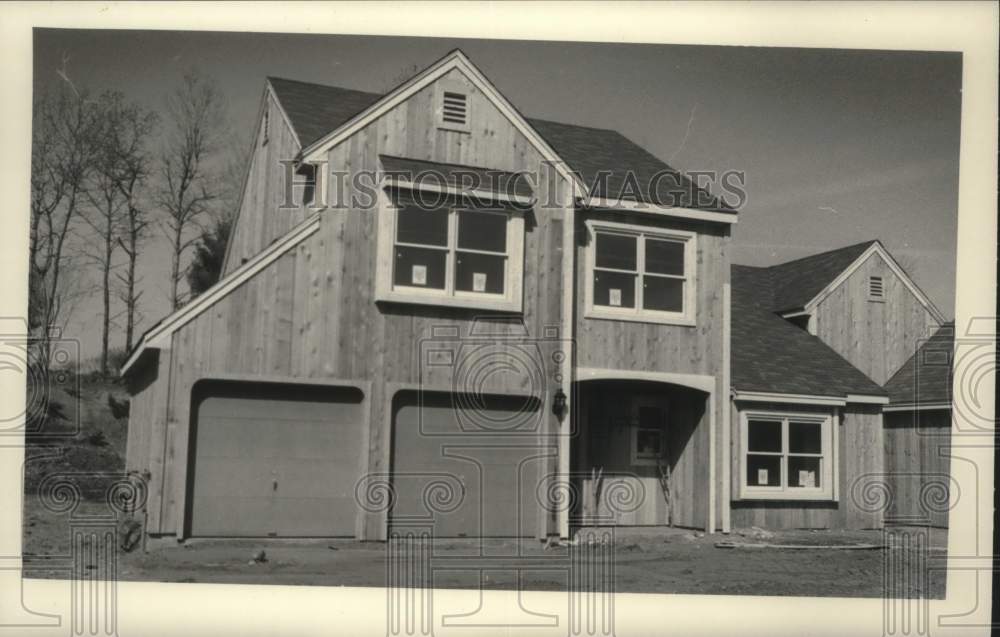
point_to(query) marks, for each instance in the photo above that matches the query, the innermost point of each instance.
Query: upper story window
(451, 255)
(640, 274)
(876, 288)
(787, 456)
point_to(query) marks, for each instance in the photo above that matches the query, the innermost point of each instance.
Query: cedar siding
(877, 337)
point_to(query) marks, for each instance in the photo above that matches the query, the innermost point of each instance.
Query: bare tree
(114, 214)
(104, 215)
(63, 143)
(195, 118)
(132, 173)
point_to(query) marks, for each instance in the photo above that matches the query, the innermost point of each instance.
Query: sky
(837, 146)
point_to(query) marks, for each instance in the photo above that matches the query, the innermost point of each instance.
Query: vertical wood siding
(261, 218)
(694, 349)
(917, 463)
(860, 468)
(876, 337)
(312, 313)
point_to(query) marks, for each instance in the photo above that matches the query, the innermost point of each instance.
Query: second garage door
(472, 466)
(275, 460)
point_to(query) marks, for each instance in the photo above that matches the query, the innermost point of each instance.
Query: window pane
(616, 251)
(426, 227)
(479, 272)
(648, 443)
(614, 289)
(664, 257)
(482, 231)
(803, 471)
(763, 471)
(662, 294)
(419, 267)
(805, 437)
(764, 435)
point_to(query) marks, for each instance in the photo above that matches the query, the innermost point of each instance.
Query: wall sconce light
(559, 403)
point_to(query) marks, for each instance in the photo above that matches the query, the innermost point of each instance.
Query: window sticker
(419, 275)
(761, 476)
(615, 297)
(807, 478)
(478, 281)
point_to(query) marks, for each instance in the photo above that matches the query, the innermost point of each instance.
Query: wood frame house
(529, 352)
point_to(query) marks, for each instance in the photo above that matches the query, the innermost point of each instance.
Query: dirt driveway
(668, 561)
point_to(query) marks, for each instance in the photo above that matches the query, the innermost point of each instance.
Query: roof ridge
(534, 119)
(557, 123)
(830, 251)
(341, 88)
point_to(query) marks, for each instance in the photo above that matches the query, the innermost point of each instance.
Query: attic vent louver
(876, 289)
(454, 109)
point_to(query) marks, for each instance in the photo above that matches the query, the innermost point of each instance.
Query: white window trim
(828, 463)
(634, 429)
(385, 290)
(690, 239)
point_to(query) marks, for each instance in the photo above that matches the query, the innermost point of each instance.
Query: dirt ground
(660, 561)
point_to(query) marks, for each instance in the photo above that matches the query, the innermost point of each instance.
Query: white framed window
(787, 456)
(450, 255)
(637, 273)
(648, 433)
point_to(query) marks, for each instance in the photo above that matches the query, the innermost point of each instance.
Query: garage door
(468, 468)
(275, 460)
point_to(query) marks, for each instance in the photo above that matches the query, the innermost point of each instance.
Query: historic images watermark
(45, 359)
(501, 389)
(321, 187)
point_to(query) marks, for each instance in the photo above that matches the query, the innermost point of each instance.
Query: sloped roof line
(454, 59)
(770, 354)
(156, 337)
(553, 139)
(926, 377)
(802, 283)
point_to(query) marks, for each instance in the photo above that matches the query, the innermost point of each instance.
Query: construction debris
(755, 532)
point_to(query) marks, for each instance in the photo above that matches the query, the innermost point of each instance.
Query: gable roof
(315, 109)
(317, 112)
(591, 151)
(800, 285)
(770, 354)
(796, 283)
(926, 378)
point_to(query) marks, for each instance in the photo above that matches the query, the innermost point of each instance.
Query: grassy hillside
(92, 428)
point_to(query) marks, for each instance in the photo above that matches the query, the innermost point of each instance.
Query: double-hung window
(787, 456)
(642, 274)
(451, 255)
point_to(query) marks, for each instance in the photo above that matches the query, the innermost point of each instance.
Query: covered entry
(468, 466)
(274, 460)
(642, 455)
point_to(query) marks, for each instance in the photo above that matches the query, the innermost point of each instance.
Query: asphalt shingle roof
(797, 282)
(318, 109)
(926, 377)
(770, 354)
